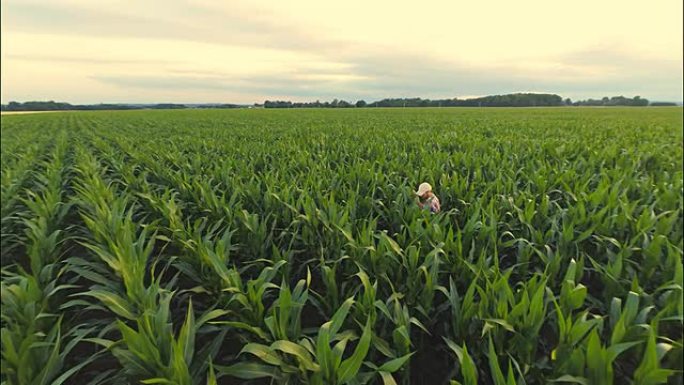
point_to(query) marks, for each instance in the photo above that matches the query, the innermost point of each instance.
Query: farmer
(427, 199)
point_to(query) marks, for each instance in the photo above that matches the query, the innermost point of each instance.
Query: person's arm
(435, 205)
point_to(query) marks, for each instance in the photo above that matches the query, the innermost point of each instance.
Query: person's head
(424, 190)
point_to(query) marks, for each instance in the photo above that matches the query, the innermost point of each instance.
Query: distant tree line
(224, 105)
(317, 104)
(614, 101)
(61, 106)
(508, 100)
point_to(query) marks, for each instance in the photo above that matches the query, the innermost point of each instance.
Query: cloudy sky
(85, 51)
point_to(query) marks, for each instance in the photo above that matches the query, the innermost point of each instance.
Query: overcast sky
(91, 51)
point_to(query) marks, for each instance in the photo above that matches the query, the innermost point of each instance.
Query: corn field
(286, 247)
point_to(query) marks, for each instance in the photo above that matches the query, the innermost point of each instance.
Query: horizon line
(352, 101)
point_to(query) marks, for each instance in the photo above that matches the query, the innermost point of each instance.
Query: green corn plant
(462, 309)
(246, 299)
(595, 364)
(43, 237)
(44, 216)
(649, 370)
(400, 323)
(572, 294)
(282, 320)
(496, 301)
(495, 371)
(116, 245)
(256, 235)
(466, 364)
(31, 356)
(207, 255)
(366, 304)
(35, 349)
(330, 300)
(527, 317)
(151, 353)
(572, 331)
(127, 256)
(599, 360)
(399, 316)
(284, 317)
(628, 322)
(41, 209)
(421, 277)
(314, 361)
(16, 176)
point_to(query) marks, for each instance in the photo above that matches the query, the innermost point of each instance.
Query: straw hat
(423, 188)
